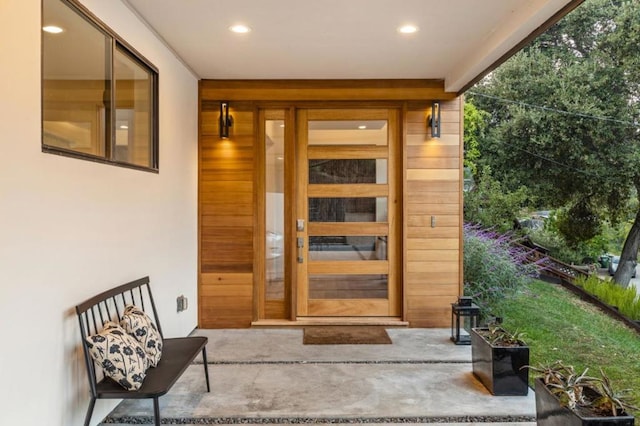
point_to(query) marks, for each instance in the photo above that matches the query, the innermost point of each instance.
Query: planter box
(500, 368)
(549, 412)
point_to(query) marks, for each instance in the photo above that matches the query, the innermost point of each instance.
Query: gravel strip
(394, 362)
(138, 420)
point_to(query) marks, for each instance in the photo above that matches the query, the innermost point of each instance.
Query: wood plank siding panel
(433, 254)
(226, 219)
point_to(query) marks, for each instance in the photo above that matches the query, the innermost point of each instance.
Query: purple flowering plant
(495, 266)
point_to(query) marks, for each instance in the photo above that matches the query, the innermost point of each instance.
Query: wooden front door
(346, 209)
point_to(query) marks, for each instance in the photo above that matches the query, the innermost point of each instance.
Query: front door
(346, 210)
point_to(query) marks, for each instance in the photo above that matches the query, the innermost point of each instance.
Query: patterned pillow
(139, 325)
(120, 355)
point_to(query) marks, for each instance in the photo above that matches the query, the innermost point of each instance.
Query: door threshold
(310, 321)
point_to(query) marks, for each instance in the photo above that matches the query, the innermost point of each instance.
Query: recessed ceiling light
(52, 29)
(408, 29)
(240, 29)
(282, 125)
(124, 127)
(280, 158)
(362, 127)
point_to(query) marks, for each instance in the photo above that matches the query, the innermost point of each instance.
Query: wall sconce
(226, 121)
(434, 119)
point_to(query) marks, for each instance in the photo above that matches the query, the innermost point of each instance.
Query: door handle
(300, 245)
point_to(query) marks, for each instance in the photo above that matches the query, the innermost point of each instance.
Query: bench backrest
(109, 306)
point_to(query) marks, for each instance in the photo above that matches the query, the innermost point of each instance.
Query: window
(99, 96)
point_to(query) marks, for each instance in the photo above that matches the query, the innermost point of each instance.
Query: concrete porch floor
(267, 376)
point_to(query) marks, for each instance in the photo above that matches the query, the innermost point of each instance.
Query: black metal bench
(177, 353)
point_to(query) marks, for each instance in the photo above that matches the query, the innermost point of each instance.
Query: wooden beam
(323, 90)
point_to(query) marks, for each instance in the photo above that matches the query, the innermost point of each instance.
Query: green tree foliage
(562, 120)
(489, 205)
(580, 222)
(475, 125)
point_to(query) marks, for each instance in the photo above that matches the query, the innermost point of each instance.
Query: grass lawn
(560, 326)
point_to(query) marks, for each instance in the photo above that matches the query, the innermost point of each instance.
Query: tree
(562, 120)
(475, 127)
(489, 205)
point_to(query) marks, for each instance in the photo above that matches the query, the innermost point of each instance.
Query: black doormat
(346, 335)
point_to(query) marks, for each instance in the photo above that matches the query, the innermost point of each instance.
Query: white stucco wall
(71, 228)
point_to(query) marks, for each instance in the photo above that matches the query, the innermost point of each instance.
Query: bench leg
(156, 411)
(206, 367)
(87, 418)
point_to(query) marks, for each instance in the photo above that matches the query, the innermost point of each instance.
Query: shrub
(558, 247)
(609, 240)
(493, 267)
(490, 204)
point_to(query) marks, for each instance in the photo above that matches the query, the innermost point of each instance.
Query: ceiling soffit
(458, 40)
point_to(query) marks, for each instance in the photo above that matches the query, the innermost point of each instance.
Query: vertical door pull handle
(300, 244)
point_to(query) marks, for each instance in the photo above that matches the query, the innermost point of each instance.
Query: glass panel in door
(274, 182)
(274, 291)
(347, 262)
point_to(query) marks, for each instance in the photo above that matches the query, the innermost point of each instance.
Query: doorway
(331, 234)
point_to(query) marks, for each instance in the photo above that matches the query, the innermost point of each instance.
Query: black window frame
(116, 43)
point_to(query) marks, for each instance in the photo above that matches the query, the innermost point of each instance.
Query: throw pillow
(120, 355)
(138, 324)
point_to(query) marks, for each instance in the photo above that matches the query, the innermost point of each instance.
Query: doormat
(345, 335)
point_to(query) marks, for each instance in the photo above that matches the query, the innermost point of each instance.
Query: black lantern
(464, 316)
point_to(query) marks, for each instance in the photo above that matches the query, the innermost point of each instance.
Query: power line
(533, 154)
(566, 166)
(559, 111)
(550, 160)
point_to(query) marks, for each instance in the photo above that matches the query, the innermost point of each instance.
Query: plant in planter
(564, 397)
(500, 360)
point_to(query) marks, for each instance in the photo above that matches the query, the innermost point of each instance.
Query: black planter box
(549, 412)
(500, 368)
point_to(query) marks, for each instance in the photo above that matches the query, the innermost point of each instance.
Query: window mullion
(111, 110)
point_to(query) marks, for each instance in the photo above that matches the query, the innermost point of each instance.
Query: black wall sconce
(226, 121)
(434, 119)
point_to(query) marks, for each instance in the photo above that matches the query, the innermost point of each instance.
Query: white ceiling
(344, 39)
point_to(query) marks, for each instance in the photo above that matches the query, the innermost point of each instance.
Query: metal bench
(177, 353)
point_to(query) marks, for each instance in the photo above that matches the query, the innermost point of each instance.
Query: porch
(74, 228)
(267, 376)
